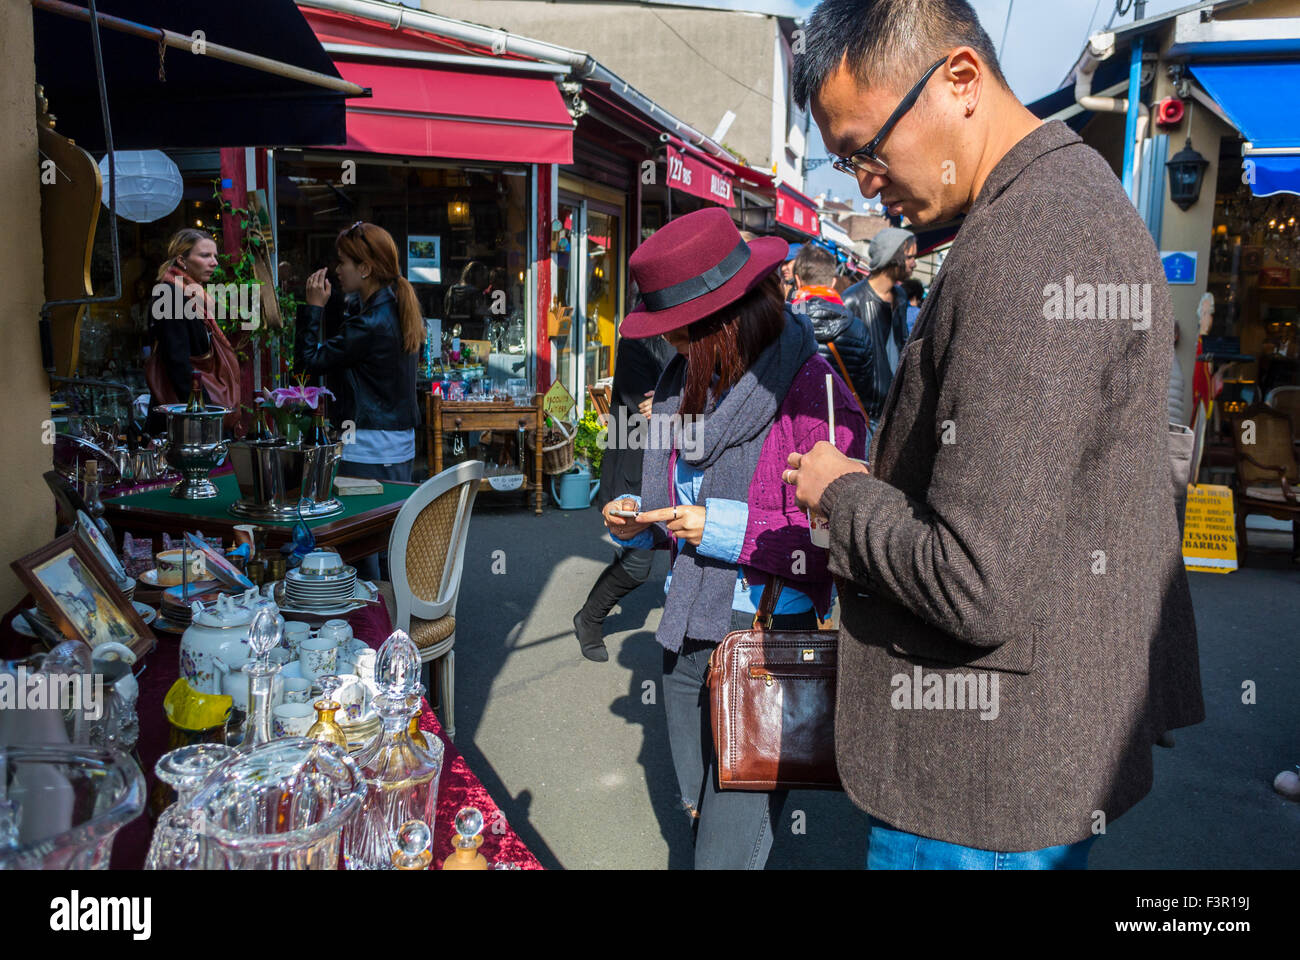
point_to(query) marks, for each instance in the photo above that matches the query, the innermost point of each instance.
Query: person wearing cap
(833, 324)
(882, 304)
(746, 388)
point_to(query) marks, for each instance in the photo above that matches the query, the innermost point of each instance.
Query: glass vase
(176, 843)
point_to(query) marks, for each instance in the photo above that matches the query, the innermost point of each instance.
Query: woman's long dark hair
(727, 342)
(373, 245)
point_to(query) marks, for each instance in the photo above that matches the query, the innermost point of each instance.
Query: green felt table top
(228, 492)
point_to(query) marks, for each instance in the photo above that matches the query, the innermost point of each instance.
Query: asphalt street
(576, 753)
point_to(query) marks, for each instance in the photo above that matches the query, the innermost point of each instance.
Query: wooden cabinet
(447, 416)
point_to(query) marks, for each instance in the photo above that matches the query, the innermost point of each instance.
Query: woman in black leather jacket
(374, 353)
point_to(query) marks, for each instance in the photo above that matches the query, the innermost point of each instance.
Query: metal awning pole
(217, 51)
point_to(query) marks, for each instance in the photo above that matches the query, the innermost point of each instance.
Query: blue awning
(1259, 98)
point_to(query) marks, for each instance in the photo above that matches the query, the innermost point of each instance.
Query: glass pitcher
(280, 806)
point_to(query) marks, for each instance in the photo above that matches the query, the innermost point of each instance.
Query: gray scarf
(726, 442)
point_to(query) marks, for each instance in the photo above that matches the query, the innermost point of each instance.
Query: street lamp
(1186, 171)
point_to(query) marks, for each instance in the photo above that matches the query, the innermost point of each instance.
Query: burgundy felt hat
(693, 266)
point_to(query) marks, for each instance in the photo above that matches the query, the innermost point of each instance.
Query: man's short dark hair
(914, 289)
(815, 265)
(886, 40)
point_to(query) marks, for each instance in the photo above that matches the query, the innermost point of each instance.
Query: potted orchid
(293, 408)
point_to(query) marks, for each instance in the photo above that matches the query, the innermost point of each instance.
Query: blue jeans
(890, 849)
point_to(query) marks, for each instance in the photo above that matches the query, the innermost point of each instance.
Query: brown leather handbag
(772, 696)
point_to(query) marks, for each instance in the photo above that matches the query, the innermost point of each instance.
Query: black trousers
(736, 827)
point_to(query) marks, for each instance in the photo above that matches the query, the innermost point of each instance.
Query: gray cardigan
(1019, 526)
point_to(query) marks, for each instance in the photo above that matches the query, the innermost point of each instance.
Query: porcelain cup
(292, 720)
(319, 657)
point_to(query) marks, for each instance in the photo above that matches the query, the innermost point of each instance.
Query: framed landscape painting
(72, 584)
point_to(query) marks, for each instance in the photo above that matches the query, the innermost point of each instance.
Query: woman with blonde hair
(187, 340)
(372, 356)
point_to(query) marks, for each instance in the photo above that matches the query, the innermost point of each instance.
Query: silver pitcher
(194, 447)
(285, 481)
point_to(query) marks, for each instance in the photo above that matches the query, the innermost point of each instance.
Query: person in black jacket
(638, 365)
(832, 322)
(374, 352)
(882, 304)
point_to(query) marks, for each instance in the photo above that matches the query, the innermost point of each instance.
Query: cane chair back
(426, 549)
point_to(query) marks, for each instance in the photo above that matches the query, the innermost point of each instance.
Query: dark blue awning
(200, 101)
(1260, 99)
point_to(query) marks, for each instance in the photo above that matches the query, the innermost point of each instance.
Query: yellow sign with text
(1210, 534)
(558, 401)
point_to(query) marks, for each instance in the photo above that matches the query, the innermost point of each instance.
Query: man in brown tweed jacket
(1016, 628)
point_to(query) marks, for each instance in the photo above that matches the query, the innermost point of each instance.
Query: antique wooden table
(471, 415)
(360, 530)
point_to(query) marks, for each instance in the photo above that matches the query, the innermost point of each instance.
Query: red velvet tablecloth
(457, 787)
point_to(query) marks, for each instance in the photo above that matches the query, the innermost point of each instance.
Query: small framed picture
(71, 583)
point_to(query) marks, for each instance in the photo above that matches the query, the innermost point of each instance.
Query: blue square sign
(1180, 265)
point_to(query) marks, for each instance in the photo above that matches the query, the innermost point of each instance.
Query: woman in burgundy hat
(746, 389)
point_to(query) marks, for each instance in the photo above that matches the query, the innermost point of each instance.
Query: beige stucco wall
(1191, 229)
(27, 506)
(732, 69)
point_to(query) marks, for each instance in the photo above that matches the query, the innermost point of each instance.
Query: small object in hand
(1287, 783)
(626, 514)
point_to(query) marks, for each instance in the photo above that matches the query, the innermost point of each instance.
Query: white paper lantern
(149, 185)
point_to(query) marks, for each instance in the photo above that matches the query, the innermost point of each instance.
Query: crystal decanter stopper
(469, 837)
(401, 776)
(414, 838)
(176, 843)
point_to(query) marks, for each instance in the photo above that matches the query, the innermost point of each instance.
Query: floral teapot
(208, 644)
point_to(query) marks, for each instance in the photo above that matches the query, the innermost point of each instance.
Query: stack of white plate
(320, 591)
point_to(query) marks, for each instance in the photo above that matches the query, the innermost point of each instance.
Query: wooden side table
(471, 415)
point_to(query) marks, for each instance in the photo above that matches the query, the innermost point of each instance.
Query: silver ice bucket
(285, 481)
(194, 447)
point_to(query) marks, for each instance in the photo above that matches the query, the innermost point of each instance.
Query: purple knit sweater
(778, 527)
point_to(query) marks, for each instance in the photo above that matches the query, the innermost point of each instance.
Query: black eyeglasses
(865, 160)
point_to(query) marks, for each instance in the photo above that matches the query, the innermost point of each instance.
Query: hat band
(696, 287)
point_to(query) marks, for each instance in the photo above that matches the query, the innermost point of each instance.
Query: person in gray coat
(1017, 629)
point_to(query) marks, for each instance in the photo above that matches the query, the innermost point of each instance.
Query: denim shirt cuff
(724, 529)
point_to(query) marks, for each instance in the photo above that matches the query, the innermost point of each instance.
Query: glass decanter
(263, 637)
(401, 777)
(326, 728)
(176, 844)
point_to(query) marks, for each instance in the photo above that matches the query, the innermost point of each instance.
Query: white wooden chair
(426, 553)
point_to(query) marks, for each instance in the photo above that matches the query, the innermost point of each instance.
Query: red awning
(427, 112)
(797, 212)
(693, 173)
(745, 174)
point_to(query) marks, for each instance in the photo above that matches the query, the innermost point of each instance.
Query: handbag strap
(767, 603)
(847, 380)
